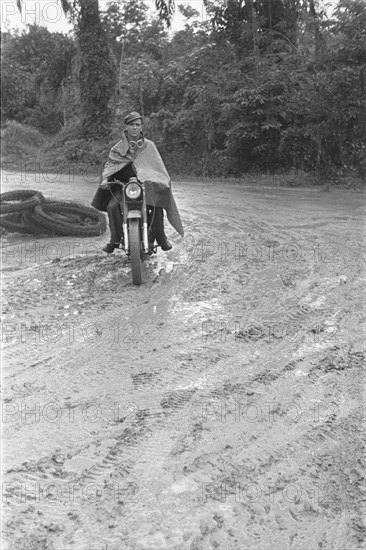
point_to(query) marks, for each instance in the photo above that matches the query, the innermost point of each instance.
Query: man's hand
(104, 185)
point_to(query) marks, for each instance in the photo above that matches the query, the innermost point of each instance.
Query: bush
(21, 142)
(68, 148)
(69, 132)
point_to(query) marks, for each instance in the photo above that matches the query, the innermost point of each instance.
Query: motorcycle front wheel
(135, 251)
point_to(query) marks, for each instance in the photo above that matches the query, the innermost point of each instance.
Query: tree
(346, 63)
(35, 66)
(131, 31)
(97, 70)
(255, 26)
(187, 11)
(165, 10)
(266, 84)
(97, 67)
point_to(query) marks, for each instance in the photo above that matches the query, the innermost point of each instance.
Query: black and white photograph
(183, 314)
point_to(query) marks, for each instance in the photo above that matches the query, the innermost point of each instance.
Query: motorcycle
(137, 221)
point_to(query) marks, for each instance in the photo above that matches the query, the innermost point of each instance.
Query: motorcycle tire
(34, 226)
(71, 219)
(135, 251)
(13, 223)
(18, 201)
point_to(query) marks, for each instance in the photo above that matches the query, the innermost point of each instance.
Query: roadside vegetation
(268, 88)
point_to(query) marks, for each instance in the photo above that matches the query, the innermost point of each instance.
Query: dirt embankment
(217, 406)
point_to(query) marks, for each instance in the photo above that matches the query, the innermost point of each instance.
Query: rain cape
(150, 170)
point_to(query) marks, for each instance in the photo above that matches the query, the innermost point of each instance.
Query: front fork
(145, 238)
(124, 209)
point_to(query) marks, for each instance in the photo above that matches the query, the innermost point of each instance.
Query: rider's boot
(115, 224)
(159, 230)
(165, 245)
(109, 248)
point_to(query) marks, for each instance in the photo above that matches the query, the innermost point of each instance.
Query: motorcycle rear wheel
(135, 251)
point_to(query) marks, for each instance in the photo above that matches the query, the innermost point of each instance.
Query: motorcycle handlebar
(109, 183)
(112, 182)
(115, 182)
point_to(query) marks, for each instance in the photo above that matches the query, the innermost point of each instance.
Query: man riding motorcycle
(136, 156)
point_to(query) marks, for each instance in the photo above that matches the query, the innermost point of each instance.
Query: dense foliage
(35, 67)
(96, 68)
(261, 84)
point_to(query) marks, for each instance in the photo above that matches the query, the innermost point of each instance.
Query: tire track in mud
(152, 451)
(152, 454)
(300, 313)
(165, 447)
(289, 445)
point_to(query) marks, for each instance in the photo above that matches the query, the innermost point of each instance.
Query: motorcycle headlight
(133, 190)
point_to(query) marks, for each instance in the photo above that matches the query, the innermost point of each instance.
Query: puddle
(301, 373)
(169, 267)
(174, 306)
(183, 486)
(189, 309)
(161, 264)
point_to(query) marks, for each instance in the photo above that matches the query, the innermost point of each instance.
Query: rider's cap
(132, 116)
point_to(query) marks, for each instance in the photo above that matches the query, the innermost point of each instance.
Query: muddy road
(218, 406)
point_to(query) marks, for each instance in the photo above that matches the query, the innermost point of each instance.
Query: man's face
(133, 129)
